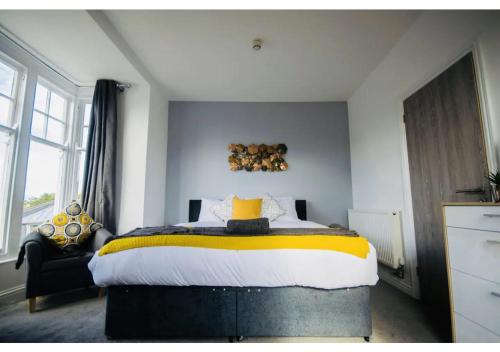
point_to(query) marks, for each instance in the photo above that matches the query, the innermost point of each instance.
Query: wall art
(257, 157)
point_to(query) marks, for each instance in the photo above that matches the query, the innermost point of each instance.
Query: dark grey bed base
(196, 311)
(187, 312)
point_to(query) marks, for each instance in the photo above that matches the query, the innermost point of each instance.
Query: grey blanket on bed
(221, 231)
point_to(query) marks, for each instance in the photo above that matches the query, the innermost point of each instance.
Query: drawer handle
(496, 294)
(492, 215)
(493, 241)
(470, 191)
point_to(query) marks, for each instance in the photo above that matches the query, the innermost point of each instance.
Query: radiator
(383, 230)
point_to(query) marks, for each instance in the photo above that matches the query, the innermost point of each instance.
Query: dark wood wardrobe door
(447, 155)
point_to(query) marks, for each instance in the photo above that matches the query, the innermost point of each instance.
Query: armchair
(49, 270)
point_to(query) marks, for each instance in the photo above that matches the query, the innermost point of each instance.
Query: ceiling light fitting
(257, 44)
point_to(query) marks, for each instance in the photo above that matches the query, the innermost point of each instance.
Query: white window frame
(46, 114)
(13, 131)
(65, 172)
(77, 149)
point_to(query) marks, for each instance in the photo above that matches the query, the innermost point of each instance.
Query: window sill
(7, 260)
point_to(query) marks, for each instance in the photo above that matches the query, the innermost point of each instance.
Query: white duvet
(186, 266)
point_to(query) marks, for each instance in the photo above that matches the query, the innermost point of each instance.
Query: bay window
(43, 138)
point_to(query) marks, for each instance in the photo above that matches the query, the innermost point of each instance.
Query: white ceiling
(207, 55)
(72, 41)
(306, 56)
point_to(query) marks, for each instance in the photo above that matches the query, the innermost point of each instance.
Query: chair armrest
(34, 259)
(34, 255)
(98, 239)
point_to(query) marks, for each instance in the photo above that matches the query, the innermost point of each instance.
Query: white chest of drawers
(472, 238)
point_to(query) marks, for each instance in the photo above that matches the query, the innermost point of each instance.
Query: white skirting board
(15, 293)
(11, 290)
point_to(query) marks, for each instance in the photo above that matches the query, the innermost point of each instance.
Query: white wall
(379, 168)
(141, 159)
(12, 280)
(156, 163)
(132, 139)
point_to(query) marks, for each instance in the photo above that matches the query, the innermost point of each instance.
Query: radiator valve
(400, 272)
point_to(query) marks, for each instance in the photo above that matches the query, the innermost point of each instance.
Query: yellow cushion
(70, 228)
(245, 209)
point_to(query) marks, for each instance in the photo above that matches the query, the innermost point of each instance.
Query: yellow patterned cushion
(70, 228)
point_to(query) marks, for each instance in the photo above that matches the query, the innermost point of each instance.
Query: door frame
(491, 156)
(484, 108)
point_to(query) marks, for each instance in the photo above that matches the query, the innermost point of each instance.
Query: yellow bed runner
(357, 246)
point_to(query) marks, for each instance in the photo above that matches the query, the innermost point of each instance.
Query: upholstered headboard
(195, 206)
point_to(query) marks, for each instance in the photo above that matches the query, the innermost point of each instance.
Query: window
(9, 83)
(48, 161)
(49, 115)
(42, 144)
(81, 149)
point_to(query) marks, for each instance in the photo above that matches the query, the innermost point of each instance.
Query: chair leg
(32, 304)
(102, 292)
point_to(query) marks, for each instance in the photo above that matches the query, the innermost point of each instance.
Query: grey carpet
(78, 316)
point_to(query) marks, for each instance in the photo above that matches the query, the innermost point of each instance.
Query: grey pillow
(248, 227)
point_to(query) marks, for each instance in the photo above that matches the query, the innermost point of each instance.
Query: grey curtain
(100, 170)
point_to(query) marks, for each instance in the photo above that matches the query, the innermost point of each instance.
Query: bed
(155, 292)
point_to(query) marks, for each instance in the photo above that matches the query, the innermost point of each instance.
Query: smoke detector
(257, 44)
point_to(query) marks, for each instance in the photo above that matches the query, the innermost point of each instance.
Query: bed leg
(367, 338)
(231, 339)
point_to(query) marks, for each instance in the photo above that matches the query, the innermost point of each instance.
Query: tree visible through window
(34, 201)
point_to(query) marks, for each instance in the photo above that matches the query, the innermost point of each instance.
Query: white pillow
(223, 210)
(288, 205)
(205, 213)
(271, 208)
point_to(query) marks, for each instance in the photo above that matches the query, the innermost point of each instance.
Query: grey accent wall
(317, 137)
